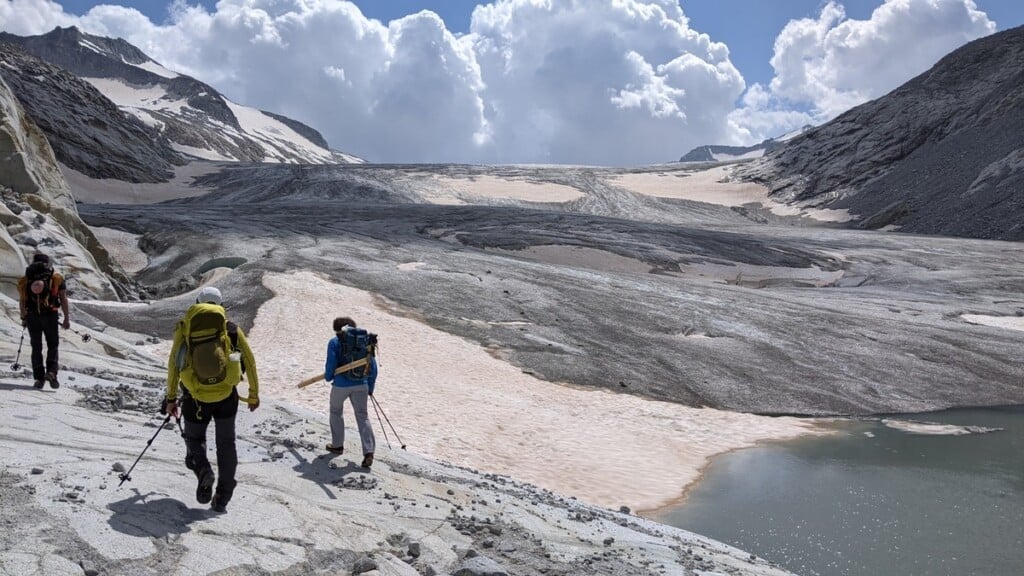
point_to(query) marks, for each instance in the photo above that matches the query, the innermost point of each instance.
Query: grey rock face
(941, 154)
(87, 131)
(39, 212)
(108, 57)
(205, 123)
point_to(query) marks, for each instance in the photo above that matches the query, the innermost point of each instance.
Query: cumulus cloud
(833, 63)
(599, 82)
(829, 64)
(604, 82)
(611, 82)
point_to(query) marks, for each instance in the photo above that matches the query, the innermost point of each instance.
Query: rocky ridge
(87, 131)
(183, 115)
(941, 154)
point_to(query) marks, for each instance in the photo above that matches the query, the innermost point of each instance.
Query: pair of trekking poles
(376, 405)
(126, 475)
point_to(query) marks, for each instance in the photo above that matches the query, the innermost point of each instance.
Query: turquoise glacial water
(874, 500)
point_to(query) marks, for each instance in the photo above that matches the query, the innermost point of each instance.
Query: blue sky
(593, 82)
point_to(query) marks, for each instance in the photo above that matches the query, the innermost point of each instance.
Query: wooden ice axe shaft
(340, 369)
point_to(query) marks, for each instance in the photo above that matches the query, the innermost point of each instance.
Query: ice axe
(339, 370)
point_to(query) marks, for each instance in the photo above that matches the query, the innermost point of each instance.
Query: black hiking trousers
(39, 325)
(197, 416)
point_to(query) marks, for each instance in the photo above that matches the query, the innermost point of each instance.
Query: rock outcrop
(39, 212)
(87, 131)
(296, 510)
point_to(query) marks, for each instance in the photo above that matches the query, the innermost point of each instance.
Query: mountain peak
(192, 116)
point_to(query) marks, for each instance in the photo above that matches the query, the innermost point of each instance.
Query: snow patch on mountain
(189, 116)
(725, 157)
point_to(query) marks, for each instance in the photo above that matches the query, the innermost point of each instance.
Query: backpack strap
(233, 335)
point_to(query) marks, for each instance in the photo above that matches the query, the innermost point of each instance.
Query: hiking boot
(335, 449)
(38, 384)
(221, 498)
(51, 377)
(367, 460)
(204, 491)
(219, 503)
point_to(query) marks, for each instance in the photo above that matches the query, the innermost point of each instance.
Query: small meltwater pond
(928, 494)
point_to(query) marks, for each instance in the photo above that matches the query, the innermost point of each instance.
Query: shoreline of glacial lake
(910, 494)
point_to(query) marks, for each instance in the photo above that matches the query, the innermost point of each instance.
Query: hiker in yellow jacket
(209, 356)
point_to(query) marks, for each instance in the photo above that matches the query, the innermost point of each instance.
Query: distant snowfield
(447, 190)
(274, 133)
(746, 156)
(156, 69)
(145, 97)
(712, 186)
(275, 137)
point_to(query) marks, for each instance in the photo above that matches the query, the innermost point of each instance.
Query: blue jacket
(333, 352)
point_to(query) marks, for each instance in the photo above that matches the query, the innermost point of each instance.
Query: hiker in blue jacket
(349, 346)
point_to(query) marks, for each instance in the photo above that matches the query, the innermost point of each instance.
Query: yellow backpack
(206, 341)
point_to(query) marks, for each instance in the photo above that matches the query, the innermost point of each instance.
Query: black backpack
(50, 296)
(357, 344)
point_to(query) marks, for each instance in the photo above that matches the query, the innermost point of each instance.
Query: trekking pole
(85, 337)
(127, 475)
(377, 405)
(382, 428)
(16, 366)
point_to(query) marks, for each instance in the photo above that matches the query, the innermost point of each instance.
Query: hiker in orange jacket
(42, 294)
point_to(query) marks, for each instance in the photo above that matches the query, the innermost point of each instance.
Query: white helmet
(209, 294)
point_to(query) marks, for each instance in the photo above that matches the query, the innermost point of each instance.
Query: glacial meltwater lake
(874, 499)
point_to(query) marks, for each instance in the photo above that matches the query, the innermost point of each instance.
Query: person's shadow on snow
(141, 515)
(25, 386)
(321, 470)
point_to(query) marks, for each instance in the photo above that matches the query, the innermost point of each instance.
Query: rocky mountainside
(87, 131)
(941, 154)
(38, 213)
(184, 115)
